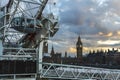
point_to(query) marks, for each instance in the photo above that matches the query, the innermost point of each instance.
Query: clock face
(79, 45)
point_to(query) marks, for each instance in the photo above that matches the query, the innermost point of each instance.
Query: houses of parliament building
(57, 57)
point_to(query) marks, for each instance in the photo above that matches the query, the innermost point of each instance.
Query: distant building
(65, 54)
(79, 48)
(110, 57)
(57, 57)
(97, 57)
(52, 52)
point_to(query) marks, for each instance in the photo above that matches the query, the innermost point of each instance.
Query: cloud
(96, 21)
(101, 2)
(108, 42)
(118, 32)
(80, 18)
(116, 22)
(106, 35)
(109, 34)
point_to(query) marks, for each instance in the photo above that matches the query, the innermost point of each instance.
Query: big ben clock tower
(79, 48)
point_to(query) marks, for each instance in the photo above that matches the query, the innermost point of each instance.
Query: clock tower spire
(79, 48)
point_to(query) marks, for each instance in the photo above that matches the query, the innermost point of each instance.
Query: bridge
(71, 72)
(61, 71)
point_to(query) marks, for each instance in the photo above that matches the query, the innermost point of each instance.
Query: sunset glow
(108, 42)
(72, 50)
(109, 34)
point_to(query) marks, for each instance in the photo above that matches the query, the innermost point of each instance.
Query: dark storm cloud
(86, 29)
(70, 17)
(74, 12)
(80, 19)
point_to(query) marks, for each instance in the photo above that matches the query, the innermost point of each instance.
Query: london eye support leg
(39, 60)
(1, 48)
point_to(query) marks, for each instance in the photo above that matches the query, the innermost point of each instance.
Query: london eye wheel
(23, 24)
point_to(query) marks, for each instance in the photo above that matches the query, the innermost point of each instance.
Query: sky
(95, 21)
